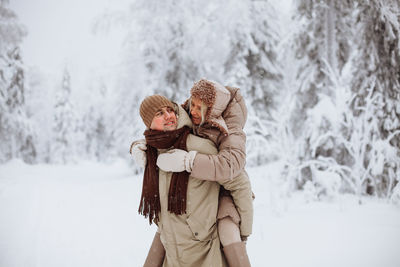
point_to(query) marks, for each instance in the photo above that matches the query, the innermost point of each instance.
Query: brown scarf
(150, 199)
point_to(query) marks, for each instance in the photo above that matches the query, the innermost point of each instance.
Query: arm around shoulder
(227, 164)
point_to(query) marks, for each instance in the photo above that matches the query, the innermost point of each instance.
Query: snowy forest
(321, 80)
(322, 87)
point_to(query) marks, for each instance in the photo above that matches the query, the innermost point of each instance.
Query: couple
(187, 177)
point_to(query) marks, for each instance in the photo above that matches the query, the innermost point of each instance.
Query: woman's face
(164, 120)
(195, 110)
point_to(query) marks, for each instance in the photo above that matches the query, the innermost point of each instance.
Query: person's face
(195, 110)
(164, 120)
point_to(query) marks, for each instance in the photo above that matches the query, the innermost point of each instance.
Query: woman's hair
(203, 110)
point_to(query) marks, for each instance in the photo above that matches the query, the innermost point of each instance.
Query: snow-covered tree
(40, 110)
(252, 62)
(16, 133)
(96, 125)
(377, 77)
(345, 113)
(322, 43)
(162, 44)
(64, 128)
(253, 65)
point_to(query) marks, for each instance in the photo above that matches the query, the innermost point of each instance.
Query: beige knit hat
(150, 105)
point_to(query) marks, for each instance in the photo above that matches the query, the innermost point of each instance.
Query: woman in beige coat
(184, 209)
(219, 114)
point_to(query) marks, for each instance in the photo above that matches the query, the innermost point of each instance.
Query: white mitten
(138, 151)
(176, 160)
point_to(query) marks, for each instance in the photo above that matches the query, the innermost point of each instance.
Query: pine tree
(16, 133)
(377, 76)
(163, 47)
(322, 44)
(264, 74)
(64, 123)
(98, 137)
(253, 66)
(40, 100)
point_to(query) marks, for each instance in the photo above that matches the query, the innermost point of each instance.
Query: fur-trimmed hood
(216, 97)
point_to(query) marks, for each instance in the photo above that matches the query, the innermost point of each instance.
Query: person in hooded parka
(219, 113)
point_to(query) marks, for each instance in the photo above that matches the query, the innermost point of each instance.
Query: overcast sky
(60, 33)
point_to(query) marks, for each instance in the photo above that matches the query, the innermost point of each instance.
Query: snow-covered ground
(86, 215)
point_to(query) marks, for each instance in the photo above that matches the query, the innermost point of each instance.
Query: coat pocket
(202, 230)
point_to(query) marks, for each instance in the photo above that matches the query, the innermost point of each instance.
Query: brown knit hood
(216, 97)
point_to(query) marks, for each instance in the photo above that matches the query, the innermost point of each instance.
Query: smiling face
(195, 110)
(164, 120)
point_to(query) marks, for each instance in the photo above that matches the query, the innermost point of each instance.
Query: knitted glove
(138, 151)
(176, 160)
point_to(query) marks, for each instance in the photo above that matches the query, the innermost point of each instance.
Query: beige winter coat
(191, 239)
(224, 122)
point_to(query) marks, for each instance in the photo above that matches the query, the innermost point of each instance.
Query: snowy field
(86, 215)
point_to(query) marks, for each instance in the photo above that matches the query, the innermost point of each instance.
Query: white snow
(86, 215)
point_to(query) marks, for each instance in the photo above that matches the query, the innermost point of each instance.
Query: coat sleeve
(242, 195)
(225, 165)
